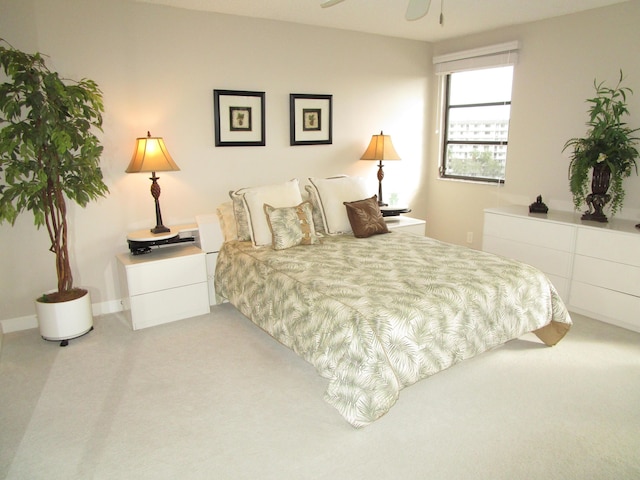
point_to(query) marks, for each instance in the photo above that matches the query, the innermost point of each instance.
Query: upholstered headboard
(211, 238)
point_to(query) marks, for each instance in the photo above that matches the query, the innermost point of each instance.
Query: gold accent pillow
(291, 226)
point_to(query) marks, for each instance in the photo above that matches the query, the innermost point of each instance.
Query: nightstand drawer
(411, 225)
(166, 306)
(153, 272)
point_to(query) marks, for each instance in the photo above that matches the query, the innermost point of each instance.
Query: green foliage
(479, 164)
(48, 149)
(609, 140)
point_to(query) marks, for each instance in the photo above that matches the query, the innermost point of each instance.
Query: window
(476, 124)
(476, 99)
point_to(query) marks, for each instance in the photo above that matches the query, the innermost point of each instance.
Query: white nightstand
(164, 285)
(406, 224)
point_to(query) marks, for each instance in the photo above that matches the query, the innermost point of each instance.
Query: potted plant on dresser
(49, 154)
(608, 152)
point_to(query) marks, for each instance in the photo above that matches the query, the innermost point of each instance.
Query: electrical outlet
(469, 237)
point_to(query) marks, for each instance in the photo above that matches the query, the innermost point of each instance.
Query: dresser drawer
(609, 245)
(611, 275)
(554, 262)
(604, 304)
(530, 231)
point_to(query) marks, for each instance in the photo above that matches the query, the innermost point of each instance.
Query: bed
(377, 312)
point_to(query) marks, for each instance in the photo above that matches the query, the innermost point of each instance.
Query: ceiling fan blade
(330, 3)
(417, 9)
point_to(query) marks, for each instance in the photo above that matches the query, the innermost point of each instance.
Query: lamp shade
(151, 155)
(380, 148)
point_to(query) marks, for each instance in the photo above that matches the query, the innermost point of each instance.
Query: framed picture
(239, 118)
(310, 119)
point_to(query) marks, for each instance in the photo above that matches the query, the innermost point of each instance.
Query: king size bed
(374, 313)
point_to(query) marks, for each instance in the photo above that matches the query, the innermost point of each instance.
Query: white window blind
(501, 55)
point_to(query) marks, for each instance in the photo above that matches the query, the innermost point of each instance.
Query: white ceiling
(386, 17)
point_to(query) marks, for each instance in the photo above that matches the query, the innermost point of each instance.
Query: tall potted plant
(608, 151)
(49, 154)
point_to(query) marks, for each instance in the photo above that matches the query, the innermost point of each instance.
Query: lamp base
(160, 229)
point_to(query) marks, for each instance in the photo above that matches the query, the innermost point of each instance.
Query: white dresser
(595, 267)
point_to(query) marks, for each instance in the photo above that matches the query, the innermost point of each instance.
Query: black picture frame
(311, 119)
(239, 118)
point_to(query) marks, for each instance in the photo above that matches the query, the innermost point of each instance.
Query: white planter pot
(63, 321)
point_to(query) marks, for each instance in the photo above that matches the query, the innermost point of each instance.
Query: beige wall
(559, 60)
(158, 67)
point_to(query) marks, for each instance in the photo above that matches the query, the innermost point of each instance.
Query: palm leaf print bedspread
(378, 314)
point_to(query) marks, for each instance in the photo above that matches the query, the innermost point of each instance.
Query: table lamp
(151, 155)
(380, 148)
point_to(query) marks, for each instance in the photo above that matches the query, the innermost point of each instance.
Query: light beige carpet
(214, 397)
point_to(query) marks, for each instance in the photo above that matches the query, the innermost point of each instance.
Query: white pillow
(281, 195)
(332, 193)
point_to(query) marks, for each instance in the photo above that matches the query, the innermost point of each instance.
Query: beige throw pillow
(291, 226)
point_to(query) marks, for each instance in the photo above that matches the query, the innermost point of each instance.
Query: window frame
(482, 145)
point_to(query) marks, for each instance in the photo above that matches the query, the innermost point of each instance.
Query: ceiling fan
(415, 10)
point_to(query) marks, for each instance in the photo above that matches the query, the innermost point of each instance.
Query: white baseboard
(9, 325)
(104, 308)
(20, 323)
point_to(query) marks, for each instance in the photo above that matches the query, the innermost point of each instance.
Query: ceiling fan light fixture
(417, 9)
(329, 3)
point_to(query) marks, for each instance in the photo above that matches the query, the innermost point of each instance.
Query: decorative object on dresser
(538, 206)
(608, 151)
(239, 118)
(310, 119)
(50, 153)
(380, 148)
(151, 155)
